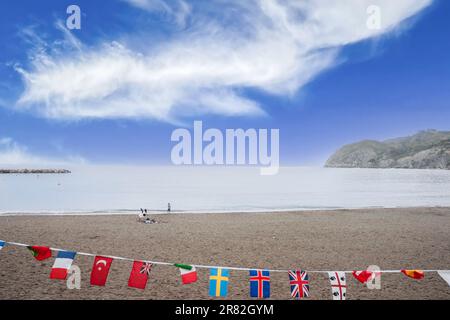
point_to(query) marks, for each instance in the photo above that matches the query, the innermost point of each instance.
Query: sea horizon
(95, 189)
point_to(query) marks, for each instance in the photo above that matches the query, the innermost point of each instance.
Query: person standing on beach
(168, 207)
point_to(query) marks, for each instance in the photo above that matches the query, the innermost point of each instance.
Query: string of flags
(259, 279)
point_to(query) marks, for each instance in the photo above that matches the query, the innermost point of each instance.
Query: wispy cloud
(269, 45)
(176, 10)
(13, 154)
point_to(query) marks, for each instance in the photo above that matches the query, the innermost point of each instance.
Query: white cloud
(269, 45)
(13, 154)
(177, 10)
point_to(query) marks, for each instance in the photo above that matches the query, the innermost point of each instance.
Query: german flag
(415, 274)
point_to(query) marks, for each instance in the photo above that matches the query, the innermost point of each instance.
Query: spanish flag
(415, 274)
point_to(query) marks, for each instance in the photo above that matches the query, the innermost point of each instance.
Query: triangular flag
(362, 276)
(415, 274)
(445, 275)
(188, 273)
(40, 253)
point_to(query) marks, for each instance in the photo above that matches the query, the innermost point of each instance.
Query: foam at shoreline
(175, 212)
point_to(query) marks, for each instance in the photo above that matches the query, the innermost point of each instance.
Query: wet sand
(315, 240)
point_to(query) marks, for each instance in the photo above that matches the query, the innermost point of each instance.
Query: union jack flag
(146, 268)
(299, 281)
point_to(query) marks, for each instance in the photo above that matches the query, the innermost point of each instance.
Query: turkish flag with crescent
(100, 270)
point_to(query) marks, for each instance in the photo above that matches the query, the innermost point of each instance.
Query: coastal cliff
(425, 150)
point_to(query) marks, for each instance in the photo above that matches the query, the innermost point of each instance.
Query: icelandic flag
(62, 265)
(218, 282)
(2, 244)
(259, 284)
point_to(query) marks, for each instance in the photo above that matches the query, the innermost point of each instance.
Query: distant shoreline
(135, 212)
(34, 171)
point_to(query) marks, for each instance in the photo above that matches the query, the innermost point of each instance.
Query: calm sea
(216, 189)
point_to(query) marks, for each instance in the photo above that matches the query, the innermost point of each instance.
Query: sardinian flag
(338, 285)
(62, 265)
(299, 281)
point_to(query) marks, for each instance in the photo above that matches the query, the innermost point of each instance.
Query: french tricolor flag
(62, 265)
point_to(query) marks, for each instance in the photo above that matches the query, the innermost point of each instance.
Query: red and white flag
(100, 270)
(363, 276)
(139, 274)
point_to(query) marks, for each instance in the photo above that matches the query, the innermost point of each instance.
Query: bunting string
(212, 267)
(219, 275)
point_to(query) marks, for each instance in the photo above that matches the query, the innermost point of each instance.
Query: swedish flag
(218, 282)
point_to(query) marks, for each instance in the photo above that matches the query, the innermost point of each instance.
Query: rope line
(205, 266)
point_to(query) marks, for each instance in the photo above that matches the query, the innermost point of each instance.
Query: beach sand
(315, 240)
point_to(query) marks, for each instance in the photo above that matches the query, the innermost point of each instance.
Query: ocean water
(93, 189)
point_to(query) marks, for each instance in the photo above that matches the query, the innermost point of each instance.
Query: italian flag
(188, 273)
(40, 253)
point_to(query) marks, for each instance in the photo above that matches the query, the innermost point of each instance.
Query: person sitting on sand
(141, 215)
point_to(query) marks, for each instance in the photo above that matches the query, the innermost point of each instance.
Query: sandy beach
(315, 240)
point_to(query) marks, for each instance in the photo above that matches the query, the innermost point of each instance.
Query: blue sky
(113, 91)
